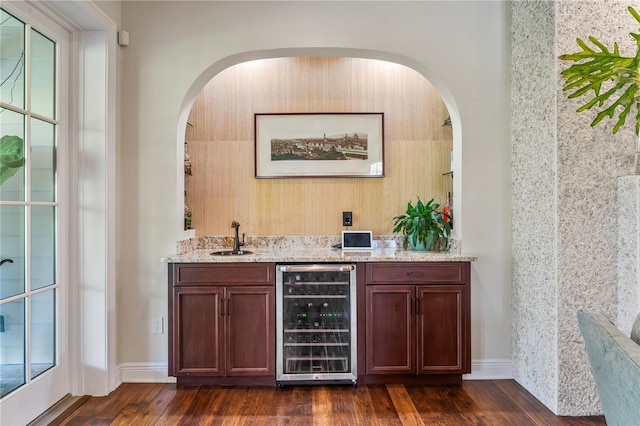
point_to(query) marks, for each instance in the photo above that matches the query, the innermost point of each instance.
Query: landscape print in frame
(319, 145)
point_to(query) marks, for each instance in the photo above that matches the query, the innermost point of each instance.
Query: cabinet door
(441, 332)
(198, 328)
(390, 330)
(250, 331)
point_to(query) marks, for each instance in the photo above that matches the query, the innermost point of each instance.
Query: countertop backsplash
(290, 242)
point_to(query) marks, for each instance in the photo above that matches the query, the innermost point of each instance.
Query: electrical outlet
(347, 219)
(158, 326)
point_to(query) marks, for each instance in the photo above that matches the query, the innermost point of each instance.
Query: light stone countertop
(320, 255)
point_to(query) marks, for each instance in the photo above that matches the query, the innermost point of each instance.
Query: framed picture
(319, 145)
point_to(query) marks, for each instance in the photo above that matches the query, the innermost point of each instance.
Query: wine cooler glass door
(316, 324)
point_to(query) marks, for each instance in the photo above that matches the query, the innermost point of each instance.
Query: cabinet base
(226, 381)
(403, 379)
(377, 379)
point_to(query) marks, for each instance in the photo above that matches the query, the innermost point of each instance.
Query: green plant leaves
(423, 224)
(596, 67)
(11, 156)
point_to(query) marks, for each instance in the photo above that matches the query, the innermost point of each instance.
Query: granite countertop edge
(320, 255)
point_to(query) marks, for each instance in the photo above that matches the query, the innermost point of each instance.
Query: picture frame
(295, 145)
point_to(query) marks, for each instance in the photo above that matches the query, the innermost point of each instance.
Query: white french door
(34, 349)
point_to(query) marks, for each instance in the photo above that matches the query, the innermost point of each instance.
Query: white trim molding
(93, 193)
(144, 372)
(150, 372)
(490, 369)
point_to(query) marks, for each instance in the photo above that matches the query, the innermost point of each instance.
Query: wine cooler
(316, 323)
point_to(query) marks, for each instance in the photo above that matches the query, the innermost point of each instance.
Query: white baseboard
(148, 372)
(144, 372)
(490, 369)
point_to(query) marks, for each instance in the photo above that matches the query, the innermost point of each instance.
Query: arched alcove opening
(418, 141)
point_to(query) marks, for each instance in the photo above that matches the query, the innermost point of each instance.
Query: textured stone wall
(564, 182)
(628, 205)
(533, 122)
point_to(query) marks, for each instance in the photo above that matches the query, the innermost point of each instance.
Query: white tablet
(357, 240)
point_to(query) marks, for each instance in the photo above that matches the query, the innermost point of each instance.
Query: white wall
(112, 9)
(176, 47)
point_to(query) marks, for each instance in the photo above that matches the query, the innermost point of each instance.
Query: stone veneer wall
(628, 251)
(533, 223)
(564, 200)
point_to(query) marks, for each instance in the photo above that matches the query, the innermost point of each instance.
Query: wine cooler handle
(312, 268)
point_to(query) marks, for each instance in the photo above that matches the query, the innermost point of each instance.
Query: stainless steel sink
(230, 252)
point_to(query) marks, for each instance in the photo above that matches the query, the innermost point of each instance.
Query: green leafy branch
(597, 65)
(11, 156)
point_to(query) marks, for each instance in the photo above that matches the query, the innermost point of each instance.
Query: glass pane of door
(43, 332)
(43, 75)
(43, 160)
(12, 156)
(11, 60)
(12, 251)
(12, 346)
(43, 247)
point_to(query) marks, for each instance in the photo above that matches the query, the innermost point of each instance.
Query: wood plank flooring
(487, 402)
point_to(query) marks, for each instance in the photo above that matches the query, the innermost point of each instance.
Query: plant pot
(418, 246)
(432, 243)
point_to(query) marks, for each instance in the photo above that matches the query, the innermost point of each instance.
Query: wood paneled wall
(221, 143)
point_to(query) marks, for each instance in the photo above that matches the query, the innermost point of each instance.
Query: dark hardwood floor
(487, 402)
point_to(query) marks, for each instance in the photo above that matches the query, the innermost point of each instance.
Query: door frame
(93, 192)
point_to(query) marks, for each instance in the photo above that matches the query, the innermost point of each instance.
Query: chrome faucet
(236, 240)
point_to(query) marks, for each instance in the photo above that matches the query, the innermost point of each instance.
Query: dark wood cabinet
(417, 321)
(250, 331)
(441, 347)
(221, 323)
(198, 329)
(390, 330)
(413, 321)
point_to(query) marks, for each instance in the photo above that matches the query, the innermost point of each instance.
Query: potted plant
(424, 227)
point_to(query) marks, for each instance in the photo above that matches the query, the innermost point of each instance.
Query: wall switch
(158, 326)
(347, 219)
